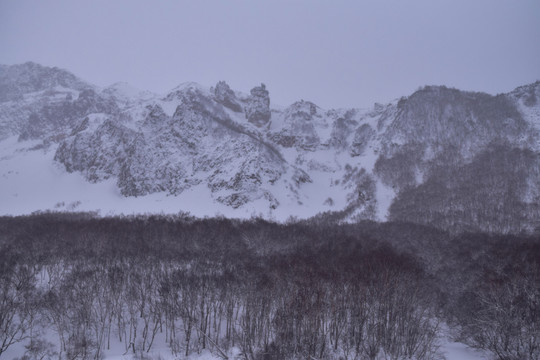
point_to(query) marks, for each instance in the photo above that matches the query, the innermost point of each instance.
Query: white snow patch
(169, 107)
(126, 91)
(385, 195)
(460, 351)
(368, 159)
(191, 85)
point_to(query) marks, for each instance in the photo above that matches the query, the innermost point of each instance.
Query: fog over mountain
(456, 160)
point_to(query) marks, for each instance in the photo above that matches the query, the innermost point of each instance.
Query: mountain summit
(461, 161)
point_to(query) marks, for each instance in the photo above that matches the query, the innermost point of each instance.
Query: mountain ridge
(253, 157)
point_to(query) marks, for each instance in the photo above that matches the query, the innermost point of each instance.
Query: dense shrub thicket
(304, 290)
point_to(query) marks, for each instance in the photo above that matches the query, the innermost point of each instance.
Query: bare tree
(17, 304)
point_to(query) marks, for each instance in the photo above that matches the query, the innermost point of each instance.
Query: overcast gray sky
(336, 53)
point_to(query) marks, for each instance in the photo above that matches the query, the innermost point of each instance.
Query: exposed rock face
(301, 121)
(156, 116)
(258, 107)
(99, 154)
(342, 127)
(225, 96)
(362, 136)
(63, 115)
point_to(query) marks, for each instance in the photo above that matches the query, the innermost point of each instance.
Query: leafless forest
(302, 290)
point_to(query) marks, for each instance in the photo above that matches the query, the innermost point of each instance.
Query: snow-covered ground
(450, 350)
(460, 351)
(30, 180)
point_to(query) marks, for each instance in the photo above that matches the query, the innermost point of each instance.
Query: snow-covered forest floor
(451, 351)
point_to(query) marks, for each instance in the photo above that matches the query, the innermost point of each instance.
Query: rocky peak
(529, 94)
(156, 115)
(17, 80)
(258, 106)
(225, 96)
(303, 109)
(62, 116)
(300, 124)
(452, 117)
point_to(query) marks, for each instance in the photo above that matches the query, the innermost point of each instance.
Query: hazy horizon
(343, 54)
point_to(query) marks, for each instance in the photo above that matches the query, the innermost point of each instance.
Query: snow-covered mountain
(444, 157)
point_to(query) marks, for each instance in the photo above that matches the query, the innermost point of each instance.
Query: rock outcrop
(258, 106)
(225, 96)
